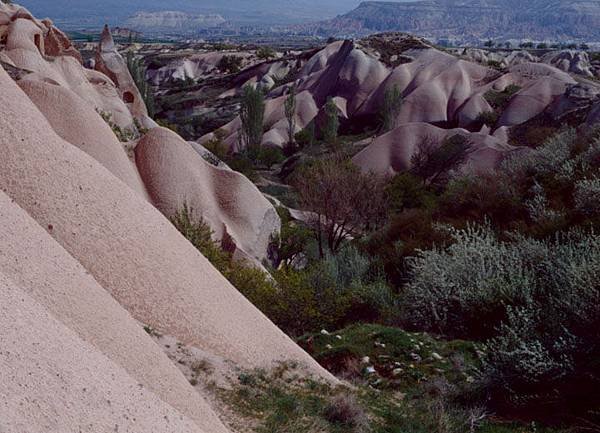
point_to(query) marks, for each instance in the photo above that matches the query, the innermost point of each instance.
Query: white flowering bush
(461, 290)
(551, 157)
(538, 207)
(536, 303)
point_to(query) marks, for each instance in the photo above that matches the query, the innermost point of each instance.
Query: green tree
(332, 124)
(432, 163)
(343, 200)
(290, 114)
(252, 113)
(392, 103)
(137, 69)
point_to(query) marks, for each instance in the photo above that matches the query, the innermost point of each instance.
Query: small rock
(339, 337)
(436, 356)
(411, 366)
(397, 371)
(328, 346)
(378, 344)
(416, 357)
(324, 332)
(366, 360)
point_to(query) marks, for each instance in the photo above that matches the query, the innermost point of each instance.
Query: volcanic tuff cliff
(86, 255)
(537, 19)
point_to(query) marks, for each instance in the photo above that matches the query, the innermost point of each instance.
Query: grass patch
(284, 400)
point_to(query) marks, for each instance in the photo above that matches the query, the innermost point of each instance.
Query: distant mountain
(474, 19)
(172, 21)
(89, 13)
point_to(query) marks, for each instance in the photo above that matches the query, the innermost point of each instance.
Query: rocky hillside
(481, 19)
(443, 94)
(91, 267)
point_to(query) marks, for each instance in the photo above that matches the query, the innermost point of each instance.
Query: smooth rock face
(131, 249)
(34, 261)
(86, 259)
(54, 381)
(25, 49)
(391, 153)
(233, 207)
(76, 122)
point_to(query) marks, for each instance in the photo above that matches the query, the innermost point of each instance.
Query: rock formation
(111, 63)
(87, 259)
(176, 175)
(439, 89)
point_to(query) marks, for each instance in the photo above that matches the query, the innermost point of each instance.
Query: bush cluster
(534, 302)
(326, 294)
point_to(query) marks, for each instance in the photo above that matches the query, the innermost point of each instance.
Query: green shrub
(331, 124)
(306, 137)
(217, 147)
(406, 191)
(326, 295)
(474, 197)
(587, 196)
(494, 64)
(432, 163)
(452, 288)
(488, 118)
(199, 233)
(545, 353)
(166, 124)
(345, 411)
(499, 100)
(269, 156)
(138, 69)
(230, 64)
(265, 53)
(242, 163)
(293, 242)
